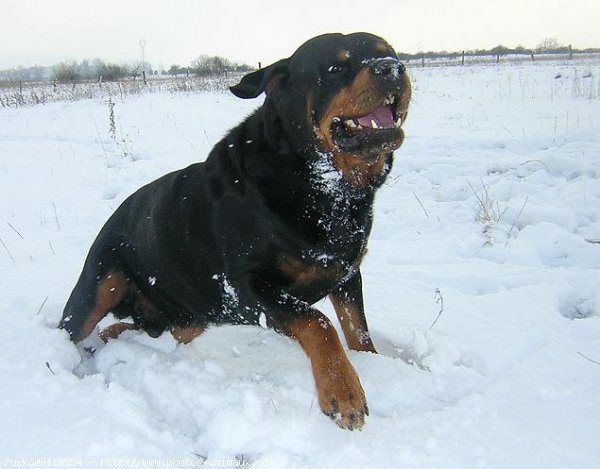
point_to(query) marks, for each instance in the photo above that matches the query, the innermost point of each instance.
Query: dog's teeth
(350, 123)
(399, 122)
(374, 124)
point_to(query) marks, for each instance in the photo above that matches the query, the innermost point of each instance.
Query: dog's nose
(386, 67)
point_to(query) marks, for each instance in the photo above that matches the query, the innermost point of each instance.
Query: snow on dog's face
(345, 96)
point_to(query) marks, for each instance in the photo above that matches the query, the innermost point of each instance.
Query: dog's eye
(335, 69)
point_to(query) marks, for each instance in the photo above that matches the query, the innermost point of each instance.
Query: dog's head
(346, 96)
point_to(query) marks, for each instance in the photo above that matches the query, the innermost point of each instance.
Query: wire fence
(22, 93)
(27, 93)
(464, 59)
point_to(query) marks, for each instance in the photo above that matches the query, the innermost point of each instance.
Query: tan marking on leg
(341, 395)
(115, 330)
(353, 324)
(184, 335)
(109, 293)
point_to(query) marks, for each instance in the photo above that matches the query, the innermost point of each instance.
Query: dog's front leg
(347, 300)
(341, 395)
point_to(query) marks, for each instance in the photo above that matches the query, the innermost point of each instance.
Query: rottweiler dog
(275, 219)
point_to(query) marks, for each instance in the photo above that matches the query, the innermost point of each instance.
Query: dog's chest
(341, 213)
(320, 268)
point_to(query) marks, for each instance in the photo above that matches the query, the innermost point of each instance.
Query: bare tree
(549, 44)
(211, 65)
(66, 72)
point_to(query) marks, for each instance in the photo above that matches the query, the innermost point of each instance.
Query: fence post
(532, 56)
(463, 58)
(422, 60)
(570, 52)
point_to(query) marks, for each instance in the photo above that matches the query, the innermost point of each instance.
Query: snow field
(491, 215)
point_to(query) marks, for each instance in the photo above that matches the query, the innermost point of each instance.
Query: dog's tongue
(382, 116)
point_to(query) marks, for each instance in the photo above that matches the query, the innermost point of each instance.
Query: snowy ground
(493, 206)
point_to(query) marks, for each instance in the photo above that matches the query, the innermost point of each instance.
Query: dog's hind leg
(184, 335)
(115, 330)
(93, 297)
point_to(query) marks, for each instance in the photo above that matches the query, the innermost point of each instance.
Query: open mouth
(374, 133)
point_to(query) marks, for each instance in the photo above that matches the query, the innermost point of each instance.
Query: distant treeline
(210, 65)
(98, 70)
(207, 66)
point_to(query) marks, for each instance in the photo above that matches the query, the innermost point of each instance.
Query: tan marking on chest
(305, 274)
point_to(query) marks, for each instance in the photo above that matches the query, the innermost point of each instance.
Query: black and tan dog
(276, 219)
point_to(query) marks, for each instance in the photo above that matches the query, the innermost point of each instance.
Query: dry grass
(33, 93)
(490, 213)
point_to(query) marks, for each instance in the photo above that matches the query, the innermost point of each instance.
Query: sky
(45, 32)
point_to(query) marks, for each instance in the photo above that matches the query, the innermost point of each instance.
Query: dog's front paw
(342, 397)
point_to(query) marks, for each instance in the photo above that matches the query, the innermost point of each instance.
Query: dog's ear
(253, 84)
